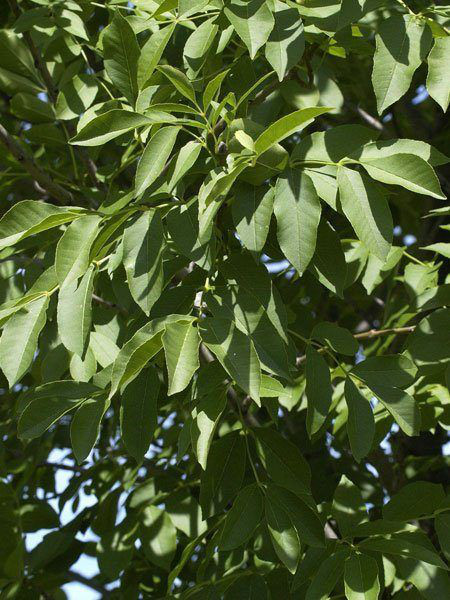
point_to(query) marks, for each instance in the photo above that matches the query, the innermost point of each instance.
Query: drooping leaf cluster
(224, 298)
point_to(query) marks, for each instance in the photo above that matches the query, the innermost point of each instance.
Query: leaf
(111, 124)
(360, 421)
(402, 43)
(437, 81)
(212, 88)
(328, 262)
(158, 537)
(402, 407)
(138, 413)
(182, 223)
(442, 525)
(326, 578)
(252, 21)
(179, 81)
(429, 343)
(41, 414)
(385, 148)
(337, 338)
(76, 96)
(408, 170)
(252, 302)
(197, 46)
(154, 157)
(252, 211)
(305, 520)
(413, 501)
(318, 390)
(283, 534)
(183, 163)
(389, 370)
(361, 577)
(367, 210)
(222, 478)
(138, 350)
(348, 508)
(143, 245)
(235, 351)
(28, 107)
(85, 426)
(283, 461)
(75, 311)
(30, 217)
(121, 54)
(286, 43)
(181, 343)
(151, 53)
(332, 145)
(297, 210)
(20, 338)
(243, 518)
(206, 417)
(402, 546)
(286, 126)
(73, 249)
(189, 7)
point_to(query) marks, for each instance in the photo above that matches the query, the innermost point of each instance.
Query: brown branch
(43, 180)
(109, 304)
(91, 583)
(372, 333)
(52, 92)
(365, 116)
(379, 332)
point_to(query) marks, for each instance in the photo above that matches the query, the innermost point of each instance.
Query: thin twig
(372, 333)
(109, 304)
(43, 180)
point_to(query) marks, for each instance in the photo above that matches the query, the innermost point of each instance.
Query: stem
(414, 259)
(46, 183)
(247, 446)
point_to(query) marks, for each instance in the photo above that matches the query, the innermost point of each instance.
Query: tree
(224, 303)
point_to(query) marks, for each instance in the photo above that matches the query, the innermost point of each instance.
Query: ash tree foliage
(225, 313)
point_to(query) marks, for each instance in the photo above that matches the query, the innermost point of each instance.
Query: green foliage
(224, 301)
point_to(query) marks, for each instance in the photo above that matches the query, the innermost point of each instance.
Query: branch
(89, 583)
(43, 180)
(372, 333)
(372, 121)
(52, 92)
(109, 304)
(378, 332)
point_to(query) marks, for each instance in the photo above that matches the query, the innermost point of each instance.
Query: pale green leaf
(407, 170)
(252, 21)
(402, 42)
(348, 507)
(367, 210)
(121, 54)
(438, 84)
(158, 537)
(154, 157)
(297, 210)
(151, 53)
(235, 351)
(286, 43)
(19, 340)
(181, 343)
(74, 247)
(74, 312)
(283, 534)
(29, 217)
(286, 126)
(143, 245)
(205, 418)
(252, 211)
